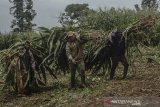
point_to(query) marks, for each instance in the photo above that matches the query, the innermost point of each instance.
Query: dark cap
(27, 42)
(119, 30)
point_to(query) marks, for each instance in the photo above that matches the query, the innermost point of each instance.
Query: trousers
(115, 61)
(78, 66)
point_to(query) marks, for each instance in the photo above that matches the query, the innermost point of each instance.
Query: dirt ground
(143, 80)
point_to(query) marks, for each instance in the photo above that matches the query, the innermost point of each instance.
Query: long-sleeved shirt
(74, 51)
(118, 46)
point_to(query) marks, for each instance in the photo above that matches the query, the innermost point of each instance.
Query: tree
(23, 14)
(73, 14)
(149, 5)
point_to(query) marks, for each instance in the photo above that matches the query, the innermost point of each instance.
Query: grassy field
(143, 80)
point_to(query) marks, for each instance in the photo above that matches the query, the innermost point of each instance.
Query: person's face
(119, 34)
(26, 46)
(72, 38)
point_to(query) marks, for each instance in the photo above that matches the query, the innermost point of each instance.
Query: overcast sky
(49, 10)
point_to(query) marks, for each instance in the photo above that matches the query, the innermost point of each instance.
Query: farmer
(29, 64)
(118, 52)
(75, 58)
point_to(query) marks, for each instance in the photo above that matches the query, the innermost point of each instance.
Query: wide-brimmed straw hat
(71, 34)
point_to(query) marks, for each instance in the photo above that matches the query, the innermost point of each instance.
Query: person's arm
(86, 38)
(32, 59)
(79, 54)
(68, 53)
(112, 42)
(123, 45)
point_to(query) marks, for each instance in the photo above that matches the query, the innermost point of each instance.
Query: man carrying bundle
(29, 64)
(75, 58)
(118, 52)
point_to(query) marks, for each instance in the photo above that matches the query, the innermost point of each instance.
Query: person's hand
(73, 61)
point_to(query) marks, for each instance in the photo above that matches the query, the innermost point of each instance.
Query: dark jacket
(118, 45)
(28, 60)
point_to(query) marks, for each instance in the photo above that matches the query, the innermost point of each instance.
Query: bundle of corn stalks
(13, 66)
(99, 56)
(134, 31)
(139, 33)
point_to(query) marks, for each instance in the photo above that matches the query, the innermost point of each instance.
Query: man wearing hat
(75, 58)
(118, 52)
